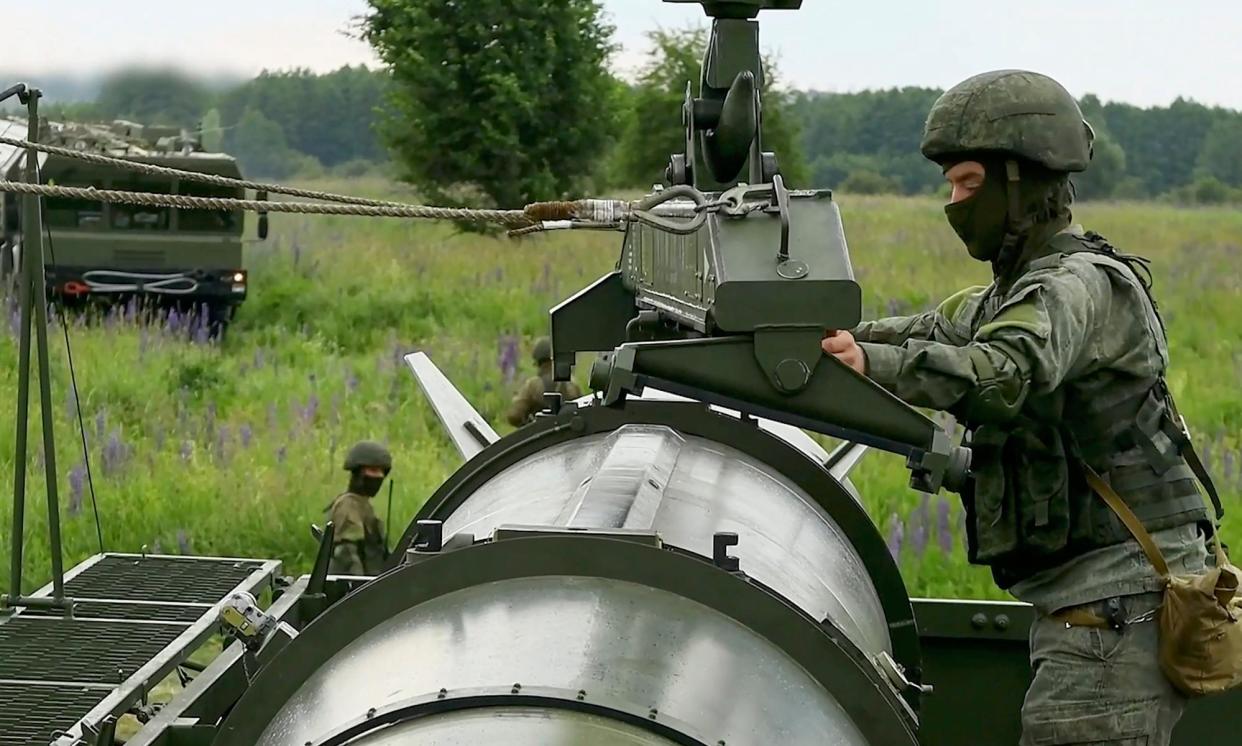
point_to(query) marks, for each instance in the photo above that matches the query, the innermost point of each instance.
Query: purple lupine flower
(961, 530)
(131, 309)
(77, 481)
(311, 410)
(508, 357)
(187, 449)
(115, 452)
(183, 541)
(202, 332)
(245, 432)
(896, 536)
(173, 322)
(944, 525)
(280, 454)
(918, 533)
(222, 439)
(351, 381)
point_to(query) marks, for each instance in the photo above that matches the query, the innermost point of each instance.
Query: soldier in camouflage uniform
(358, 539)
(529, 398)
(1054, 368)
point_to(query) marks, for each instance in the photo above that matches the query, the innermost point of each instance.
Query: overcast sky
(1141, 51)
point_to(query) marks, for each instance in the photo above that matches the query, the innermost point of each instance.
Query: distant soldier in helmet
(529, 398)
(358, 541)
(1057, 371)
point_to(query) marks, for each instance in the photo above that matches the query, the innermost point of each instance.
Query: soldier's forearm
(978, 382)
(896, 330)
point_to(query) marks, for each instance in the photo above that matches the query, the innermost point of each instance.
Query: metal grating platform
(79, 650)
(30, 712)
(149, 578)
(162, 612)
(136, 618)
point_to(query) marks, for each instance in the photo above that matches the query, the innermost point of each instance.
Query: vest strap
(1129, 519)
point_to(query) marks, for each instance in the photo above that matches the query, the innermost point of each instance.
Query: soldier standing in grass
(1056, 369)
(358, 537)
(529, 398)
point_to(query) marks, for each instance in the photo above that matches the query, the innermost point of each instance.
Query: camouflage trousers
(1100, 687)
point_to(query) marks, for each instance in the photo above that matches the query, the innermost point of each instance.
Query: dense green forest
(298, 123)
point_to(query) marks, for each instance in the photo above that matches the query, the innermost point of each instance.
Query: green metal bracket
(724, 124)
(781, 374)
(593, 319)
(315, 599)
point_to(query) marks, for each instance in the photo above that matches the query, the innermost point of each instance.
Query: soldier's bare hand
(842, 346)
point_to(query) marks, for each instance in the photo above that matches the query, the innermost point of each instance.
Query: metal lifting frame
(32, 295)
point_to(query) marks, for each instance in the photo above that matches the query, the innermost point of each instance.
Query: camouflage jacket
(1070, 320)
(529, 398)
(358, 536)
(1061, 366)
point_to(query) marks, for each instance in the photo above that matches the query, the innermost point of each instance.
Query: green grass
(236, 449)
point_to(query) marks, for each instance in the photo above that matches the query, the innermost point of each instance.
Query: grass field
(235, 449)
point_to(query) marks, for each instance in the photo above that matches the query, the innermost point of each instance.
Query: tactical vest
(1029, 506)
(371, 548)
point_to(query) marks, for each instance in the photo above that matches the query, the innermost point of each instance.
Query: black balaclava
(1008, 221)
(360, 484)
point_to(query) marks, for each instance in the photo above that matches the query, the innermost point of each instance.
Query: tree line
(477, 104)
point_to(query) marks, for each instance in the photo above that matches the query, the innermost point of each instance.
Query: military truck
(98, 251)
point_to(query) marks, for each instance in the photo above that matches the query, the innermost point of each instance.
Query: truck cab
(167, 257)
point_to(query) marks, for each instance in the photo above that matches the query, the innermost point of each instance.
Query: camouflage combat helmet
(368, 453)
(1015, 112)
(543, 351)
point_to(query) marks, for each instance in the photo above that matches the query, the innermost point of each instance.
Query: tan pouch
(1201, 617)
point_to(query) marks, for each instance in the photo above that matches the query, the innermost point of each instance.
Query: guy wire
(73, 378)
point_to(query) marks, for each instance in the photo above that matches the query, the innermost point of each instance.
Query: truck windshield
(76, 213)
(139, 217)
(214, 221)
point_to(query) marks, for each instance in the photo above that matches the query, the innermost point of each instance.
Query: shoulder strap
(1127, 516)
(1181, 436)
